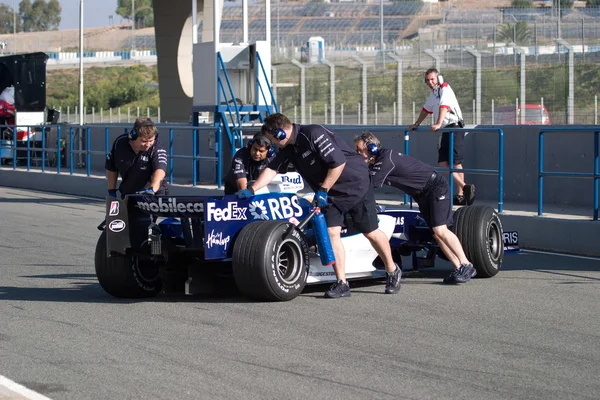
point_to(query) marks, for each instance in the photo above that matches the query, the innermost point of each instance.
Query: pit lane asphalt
(530, 332)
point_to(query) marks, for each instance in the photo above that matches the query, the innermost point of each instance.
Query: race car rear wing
(207, 223)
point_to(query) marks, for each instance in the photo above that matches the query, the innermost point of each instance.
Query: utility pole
(81, 114)
(15, 26)
(132, 25)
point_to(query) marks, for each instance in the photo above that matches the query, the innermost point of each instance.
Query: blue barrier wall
(564, 151)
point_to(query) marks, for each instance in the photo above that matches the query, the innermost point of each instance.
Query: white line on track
(20, 390)
(561, 254)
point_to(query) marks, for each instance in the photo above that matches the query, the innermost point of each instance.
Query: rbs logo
(279, 208)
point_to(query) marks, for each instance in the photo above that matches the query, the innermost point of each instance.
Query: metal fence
(394, 91)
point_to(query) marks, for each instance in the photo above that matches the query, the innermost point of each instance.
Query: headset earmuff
(132, 134)
(271, 151)
(371, 147)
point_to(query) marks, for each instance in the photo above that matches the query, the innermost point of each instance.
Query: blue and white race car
(266, 243)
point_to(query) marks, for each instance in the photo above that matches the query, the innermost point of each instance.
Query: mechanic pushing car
(140, 160)
(341, 183)
(430, 190)
(248, 162)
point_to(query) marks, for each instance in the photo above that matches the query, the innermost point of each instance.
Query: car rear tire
(125, 276)
(479, 230)
(270, 261)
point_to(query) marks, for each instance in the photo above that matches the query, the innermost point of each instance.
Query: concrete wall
(169, 19)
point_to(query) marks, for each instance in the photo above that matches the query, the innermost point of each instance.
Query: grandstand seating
(338, 23)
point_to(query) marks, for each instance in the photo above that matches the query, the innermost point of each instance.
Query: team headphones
(440, 78)
(262, 141)
(372, 149)
(132, 134)
(277, 133)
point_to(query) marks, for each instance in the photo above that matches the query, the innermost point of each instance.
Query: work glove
(112, 193)
(244, 194)
(320, 199)
(145, 191)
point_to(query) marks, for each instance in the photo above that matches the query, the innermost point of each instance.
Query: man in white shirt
(442, 103)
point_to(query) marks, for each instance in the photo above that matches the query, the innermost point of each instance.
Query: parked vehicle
(23, 81)
(535, 114)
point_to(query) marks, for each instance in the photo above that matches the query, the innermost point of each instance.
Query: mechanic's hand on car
(112, 193)
(146, 191)
(245, 193)
(320, 199)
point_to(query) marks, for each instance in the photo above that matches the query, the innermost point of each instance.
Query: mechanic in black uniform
(140, 160)
(340, 179)
(248, 163)
(430, 190)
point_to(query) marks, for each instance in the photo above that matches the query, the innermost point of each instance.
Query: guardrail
(499, 171)
(76, 132)
(541, 173)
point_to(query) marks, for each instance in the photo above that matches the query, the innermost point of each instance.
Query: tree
(6, 19)
(144, 13)
(39, 16)
(563, 3)
(592, 3)
(521, 3)
(518, 33)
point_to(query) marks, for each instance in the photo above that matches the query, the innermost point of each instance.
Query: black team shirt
(135, 169)
(243, 166)
(400, 171)
(317, 150)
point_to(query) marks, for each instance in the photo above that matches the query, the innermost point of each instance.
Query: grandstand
(347, 26)
(340, 24)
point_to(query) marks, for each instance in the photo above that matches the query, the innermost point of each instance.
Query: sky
(95, 13)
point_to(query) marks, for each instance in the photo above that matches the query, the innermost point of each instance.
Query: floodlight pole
(15, 27)
(81, 115)
(133, 25)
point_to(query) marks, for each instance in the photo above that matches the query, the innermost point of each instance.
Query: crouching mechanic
(140, 160)
(430, 190)
(340, 179)
(248, 162)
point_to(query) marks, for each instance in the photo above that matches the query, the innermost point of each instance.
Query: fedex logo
(230, 213)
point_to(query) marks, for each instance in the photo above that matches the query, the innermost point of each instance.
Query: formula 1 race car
(267, 243)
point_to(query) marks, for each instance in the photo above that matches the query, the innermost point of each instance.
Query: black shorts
(364, 215)
(435, 203)
(444, 150)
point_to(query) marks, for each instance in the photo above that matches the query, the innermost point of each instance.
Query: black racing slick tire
(270, 261)
(480, 232)
(125, 276)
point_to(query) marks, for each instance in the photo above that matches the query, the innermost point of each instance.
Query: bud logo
(286, 179)
(231, 213)
(171, 205)
(280, 208)
(114, 208)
